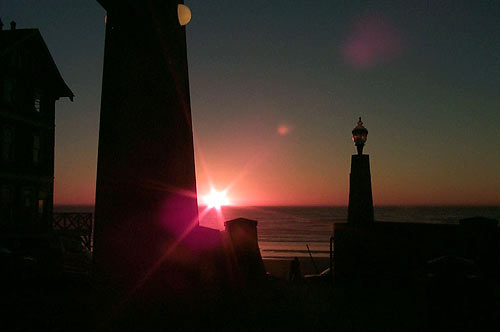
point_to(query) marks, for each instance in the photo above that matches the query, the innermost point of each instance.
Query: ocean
(286, 232)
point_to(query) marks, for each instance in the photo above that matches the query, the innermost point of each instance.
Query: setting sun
(216, 199)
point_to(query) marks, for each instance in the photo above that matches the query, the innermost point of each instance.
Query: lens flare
(284, 129)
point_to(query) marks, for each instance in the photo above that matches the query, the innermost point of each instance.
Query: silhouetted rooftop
(26, 43)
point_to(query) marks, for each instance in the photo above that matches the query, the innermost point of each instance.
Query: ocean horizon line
(323, 206)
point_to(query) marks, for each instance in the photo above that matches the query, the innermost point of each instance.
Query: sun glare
(216, 199)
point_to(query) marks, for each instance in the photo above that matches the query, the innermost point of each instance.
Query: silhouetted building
(30, 83)
(146, 188)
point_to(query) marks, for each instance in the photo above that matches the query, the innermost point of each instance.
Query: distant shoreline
(91, 206)
(286, 232)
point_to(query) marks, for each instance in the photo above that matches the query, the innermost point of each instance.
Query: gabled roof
(29, 42)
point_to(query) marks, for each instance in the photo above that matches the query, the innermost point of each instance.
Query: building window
(41, 202)
(6, 195)
(8, 144)
(37, 101)
(36, 148)
(40, 206)
(8, 88)
(27, 198)
(6, 206)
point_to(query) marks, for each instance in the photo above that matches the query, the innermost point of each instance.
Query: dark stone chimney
(245, 249)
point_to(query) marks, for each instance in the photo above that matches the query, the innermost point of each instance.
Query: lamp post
(359, 134)
(360, 211)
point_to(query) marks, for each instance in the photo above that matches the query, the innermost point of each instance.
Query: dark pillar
(244, 249)
(146, 189)
(360, 210)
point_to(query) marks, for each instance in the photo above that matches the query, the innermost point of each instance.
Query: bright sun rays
(216, 199)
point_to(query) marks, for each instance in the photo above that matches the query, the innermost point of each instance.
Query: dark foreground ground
(271, 305)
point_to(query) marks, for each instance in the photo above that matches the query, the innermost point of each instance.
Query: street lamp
(359, 134)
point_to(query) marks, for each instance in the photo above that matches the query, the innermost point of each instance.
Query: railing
(74, 224)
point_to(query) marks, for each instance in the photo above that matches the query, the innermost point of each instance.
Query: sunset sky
(277, 86)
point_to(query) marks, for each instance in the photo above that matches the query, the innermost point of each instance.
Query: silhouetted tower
(146, 188)
(360, 211)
